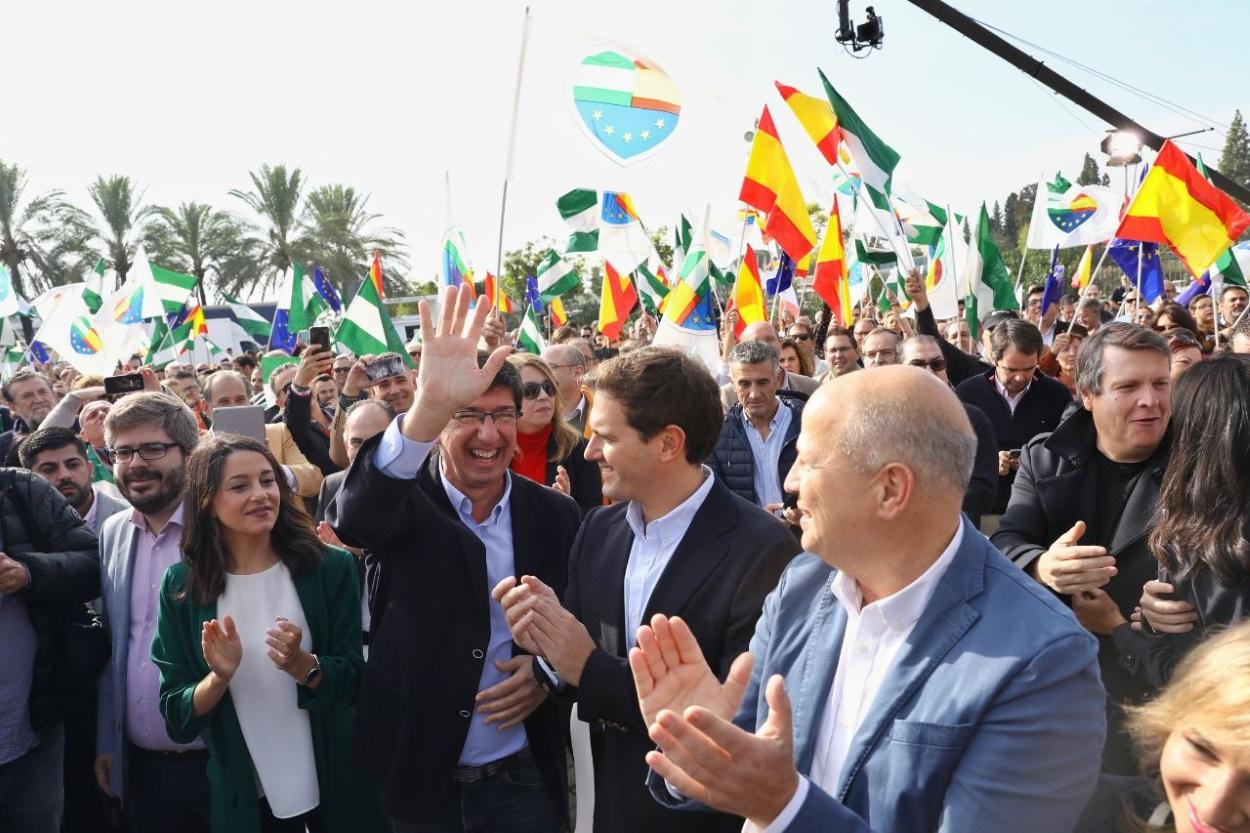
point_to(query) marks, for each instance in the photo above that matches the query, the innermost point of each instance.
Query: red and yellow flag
(375, 273)
(748, 295)
(558, 316)
(770, 186)
(817, 118)
(831, 281)
(1177, 206)
(616, 299)
(494, 294)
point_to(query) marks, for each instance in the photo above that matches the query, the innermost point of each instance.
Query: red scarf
(532, 462)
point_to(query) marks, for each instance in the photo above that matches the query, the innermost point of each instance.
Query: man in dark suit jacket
(450, 720)
(678, 542)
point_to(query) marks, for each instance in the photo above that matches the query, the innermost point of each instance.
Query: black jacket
(1058, 485)
(43, 532)
(1039, 412)
(314, 444)
(959, 365)
(726, 564)
(983, 487)
(584, 479)
(431, 626)
(732, 461)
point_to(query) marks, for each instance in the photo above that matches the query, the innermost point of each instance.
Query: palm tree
(125, 220)
(197, 239)
(44, 240)
(275, 197)
(340, 235)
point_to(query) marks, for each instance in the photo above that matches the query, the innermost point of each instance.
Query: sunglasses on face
(937, 365)
(801, 336)
(531, 390)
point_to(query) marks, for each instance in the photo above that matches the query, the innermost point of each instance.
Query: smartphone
(1014, 454)
(385, 368)
(248, 420)
(123, 383)
(319, 337)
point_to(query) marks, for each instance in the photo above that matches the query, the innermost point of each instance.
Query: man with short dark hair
(677, 541)
(841, 353)
(1084, 499)
(326, 391)
(1233, 300)
(1019, 401)
(756, 445)
(59, 456)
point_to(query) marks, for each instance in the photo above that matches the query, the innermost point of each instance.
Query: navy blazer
(990, 719)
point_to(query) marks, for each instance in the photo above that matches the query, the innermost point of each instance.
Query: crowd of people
(896, 576)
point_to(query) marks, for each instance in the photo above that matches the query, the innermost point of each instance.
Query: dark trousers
(513, 800)
(310, 821)
(87, 808)
(166, 792)
(31, 793)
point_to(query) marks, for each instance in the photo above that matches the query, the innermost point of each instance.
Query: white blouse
(275, 729)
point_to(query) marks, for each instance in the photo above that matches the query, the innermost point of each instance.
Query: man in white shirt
(934, 688)
(569, 366)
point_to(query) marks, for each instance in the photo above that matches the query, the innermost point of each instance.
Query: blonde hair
(566, 436)
(1208, 690)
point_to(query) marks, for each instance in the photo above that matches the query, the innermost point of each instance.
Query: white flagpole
(507, 171)
(1085, 290)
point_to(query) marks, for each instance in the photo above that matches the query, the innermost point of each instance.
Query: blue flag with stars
(532, 297)
(1125, 254)
(782, 279)
(326, 289)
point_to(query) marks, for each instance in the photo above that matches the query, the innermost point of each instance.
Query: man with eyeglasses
(162, 784)
(841, 352)
(1020, 402)
(451, 721)
(924, 352)
(569, 366)
(880, 347)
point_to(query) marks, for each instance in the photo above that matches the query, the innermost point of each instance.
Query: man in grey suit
(162, 784)
(59, 456)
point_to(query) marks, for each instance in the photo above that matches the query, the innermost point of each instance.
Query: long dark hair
(294, 537)
(1201, 517)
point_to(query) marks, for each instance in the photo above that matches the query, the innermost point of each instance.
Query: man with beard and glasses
(162, 784)
(31, 397)
(60, 457)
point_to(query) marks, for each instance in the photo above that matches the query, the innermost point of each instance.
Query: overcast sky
(395, 98)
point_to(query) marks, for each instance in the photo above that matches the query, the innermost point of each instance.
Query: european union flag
(281, 337)
(532, 297)
(1199, 287)
(782, 279)
(39, 353)
(1126, 255)
(1054, 282)
(326, 289)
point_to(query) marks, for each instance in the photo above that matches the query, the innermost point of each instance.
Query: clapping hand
(541, 626)
(223, 651)
(514, 699)
(671, 673)
(284, 649)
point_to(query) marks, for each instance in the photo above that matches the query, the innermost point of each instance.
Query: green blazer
(330, 596)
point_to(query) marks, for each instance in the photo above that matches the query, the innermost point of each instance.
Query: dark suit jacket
(717, 580)
(431, 625)
(584, 479)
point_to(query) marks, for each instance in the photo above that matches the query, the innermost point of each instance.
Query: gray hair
(917, 341)
(1091, 361)
(755, 352)
(149, 407)
(362, 404)
(879, 429)
(214, 378)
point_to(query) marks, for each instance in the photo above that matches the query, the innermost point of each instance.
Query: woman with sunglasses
(549, 450)
(259, 649)
(793, 360)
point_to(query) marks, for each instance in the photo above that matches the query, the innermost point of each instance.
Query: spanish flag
(748, 294)
(817, 118)
(616, 299)
(770, 186)
(831, 281)
(1084, 269)
(1177, 206)
(558, 316)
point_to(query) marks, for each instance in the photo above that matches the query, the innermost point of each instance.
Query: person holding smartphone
(385, 377)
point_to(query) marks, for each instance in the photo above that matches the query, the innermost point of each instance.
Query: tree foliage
(125, 220)
(44, 240)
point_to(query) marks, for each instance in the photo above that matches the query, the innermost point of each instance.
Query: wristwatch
(313, 673)
(300, 390)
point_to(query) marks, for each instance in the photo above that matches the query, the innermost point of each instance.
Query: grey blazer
(107, 507)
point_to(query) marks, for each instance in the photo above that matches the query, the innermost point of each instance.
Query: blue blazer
(991, 718)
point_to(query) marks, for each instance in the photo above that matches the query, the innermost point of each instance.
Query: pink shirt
(145, 727)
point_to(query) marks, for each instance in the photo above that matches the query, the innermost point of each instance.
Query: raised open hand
(450, 378)
(671, 673)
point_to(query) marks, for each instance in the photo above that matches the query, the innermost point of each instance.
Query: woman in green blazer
(259, 648)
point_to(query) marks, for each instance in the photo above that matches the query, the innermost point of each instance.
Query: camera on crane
(868, 35)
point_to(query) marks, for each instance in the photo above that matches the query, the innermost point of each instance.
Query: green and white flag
(1226, 270)
(306, 303)
(989, 284)
(580, 209)
(530, 336)
(651, 289)
(8, 295)
(93, 289)
(556, 276)
(874, 159)
(367, 329)
(164, 290)
(681, 240)
(249, 320)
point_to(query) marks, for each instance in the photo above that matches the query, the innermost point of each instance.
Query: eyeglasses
(504, 416)
(148, 451)
(530, 390)
(937, 365)
(558, 366)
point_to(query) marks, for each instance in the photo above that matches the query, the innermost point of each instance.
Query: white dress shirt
(766, 453)
(875, 633)
(1012, 401)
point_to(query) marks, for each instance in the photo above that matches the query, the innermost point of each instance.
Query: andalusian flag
(93, 288)
(874, 159)
(249, 320)
(682, 236)
(306, 303)
(989, 284)
(748, 297)
(817, 118)
(831, 281)
(580, 209)
(367, 329)
(616, 299)
(530, 336)
(770, 186)
(164, 290)
(652, 288)
(556, 276)
(1177, 206)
